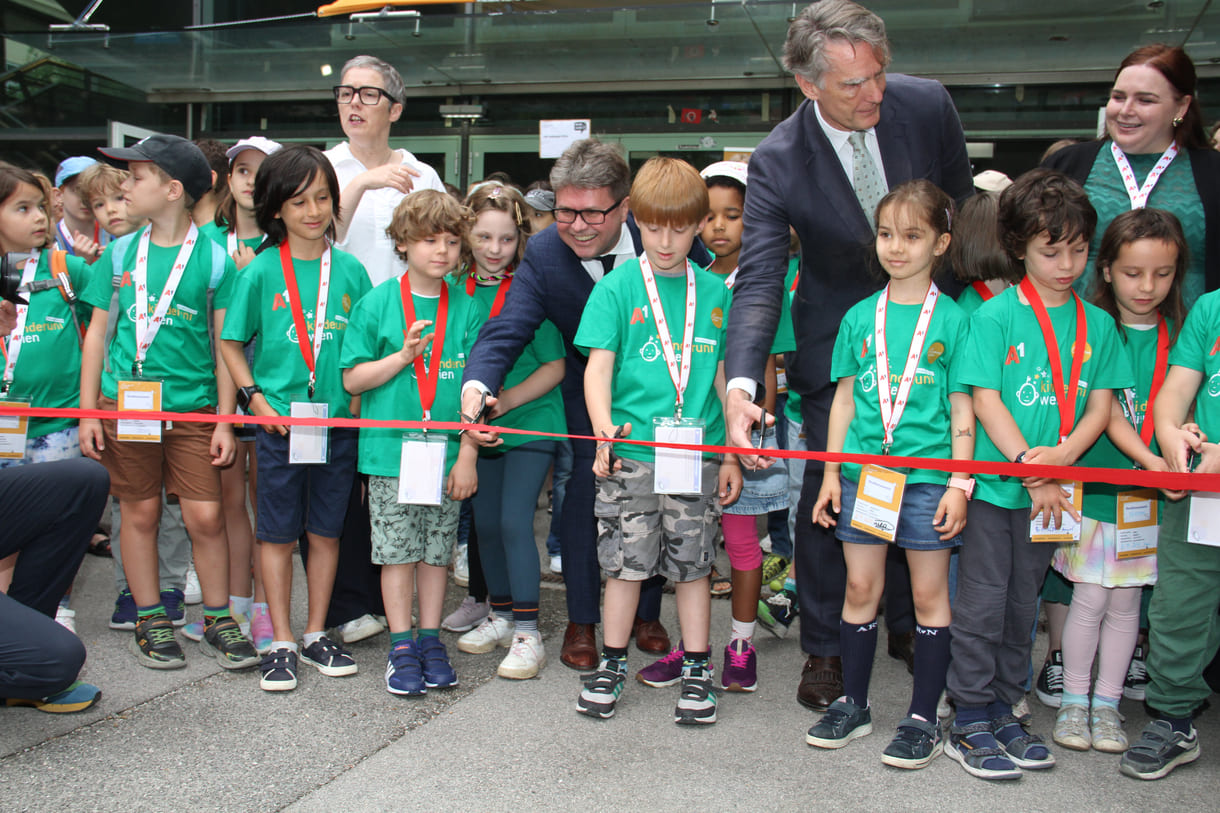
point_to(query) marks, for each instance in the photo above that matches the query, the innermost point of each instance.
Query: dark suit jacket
(550, 284)
(1077, 162)
(795, 178)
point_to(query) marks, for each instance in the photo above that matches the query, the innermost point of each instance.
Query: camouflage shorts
(405, 534)
(641, 533)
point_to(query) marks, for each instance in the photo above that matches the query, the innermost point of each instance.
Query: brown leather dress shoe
(902, 647)
(579, 648)
(650, 636)
(821, 682)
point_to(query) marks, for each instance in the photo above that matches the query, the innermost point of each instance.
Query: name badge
(879, 501)
(13, 430)
(421, 469)
(308, 444)
(678, 471)
(139, 395)
(1204, 527)
(1069, 528)
(1137, 524)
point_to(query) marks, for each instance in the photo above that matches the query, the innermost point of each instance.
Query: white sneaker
(192, 593)
(468, 615)
(461, 567)
(66, 618)
(360, 628)
(557, 564)
(494, 631)
(944, 710)
(525, 657)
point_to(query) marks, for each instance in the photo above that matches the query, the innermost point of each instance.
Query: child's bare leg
(431, 581)
(205, 522)
(694, 613)
(277, 581)
(397, 587)
(138, 538)
(320, 576)
(620, 602)
(237, 523)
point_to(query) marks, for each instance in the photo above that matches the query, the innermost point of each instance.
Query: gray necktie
(866, 178)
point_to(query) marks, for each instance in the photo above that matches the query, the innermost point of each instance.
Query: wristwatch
(965, 484)
(244, 394)
(1020, 458)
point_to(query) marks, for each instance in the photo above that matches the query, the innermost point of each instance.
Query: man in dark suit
(592, 234)
(818, 172)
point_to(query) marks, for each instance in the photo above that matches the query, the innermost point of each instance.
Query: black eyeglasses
(344, 94)
(594, 217)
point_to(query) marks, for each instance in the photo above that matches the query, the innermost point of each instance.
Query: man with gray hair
(822, 171)
(592, 234)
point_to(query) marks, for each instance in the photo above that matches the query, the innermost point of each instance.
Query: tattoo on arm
(965, 433)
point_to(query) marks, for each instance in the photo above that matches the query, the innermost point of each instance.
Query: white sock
(310, 638)
(743, 630)
(241, 604)
(284, 645)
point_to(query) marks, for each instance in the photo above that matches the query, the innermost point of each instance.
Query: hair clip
(949, 218)
(495, 193)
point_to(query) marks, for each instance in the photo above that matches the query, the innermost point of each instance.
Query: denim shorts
(762, 490)
(294, 498)
(915, 531)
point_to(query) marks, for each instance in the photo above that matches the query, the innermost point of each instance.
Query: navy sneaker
(843, 722)
(278, 671)
(917, 743)
(174, 602)
(124, 616)
(1158, 751)
(404, 672)
(434, 659)
(329, 658)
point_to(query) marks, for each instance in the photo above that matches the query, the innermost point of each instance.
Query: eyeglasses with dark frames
(593, 217)
(345, 94)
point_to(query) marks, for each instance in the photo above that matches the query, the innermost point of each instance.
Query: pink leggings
(1105, 621)
(741, 541)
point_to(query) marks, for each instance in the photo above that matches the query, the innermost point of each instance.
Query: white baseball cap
(726, 169)
(264, 145)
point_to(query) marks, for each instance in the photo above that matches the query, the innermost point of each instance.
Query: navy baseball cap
(178, 157)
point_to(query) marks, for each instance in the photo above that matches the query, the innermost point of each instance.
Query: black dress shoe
(821, 682)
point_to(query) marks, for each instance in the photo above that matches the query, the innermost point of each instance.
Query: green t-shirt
(969, 300)
(376, 331)
(618, 318)
(1198, 349)
(924, 430)
(220, 236)
(48, 366)
(261, 306)
(181, 354)
(1007, 353)
(1101, 499)
(543, 414)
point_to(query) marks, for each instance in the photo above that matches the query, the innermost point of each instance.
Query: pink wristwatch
(966, 485)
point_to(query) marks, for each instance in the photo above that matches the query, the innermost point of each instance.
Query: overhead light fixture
(457, 112)
(327, 70)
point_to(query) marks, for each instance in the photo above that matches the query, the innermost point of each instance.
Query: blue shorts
(762, 490)
(915, 531)
(293, 498)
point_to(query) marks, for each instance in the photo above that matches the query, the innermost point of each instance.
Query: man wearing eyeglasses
(373, 177)
(592, 234)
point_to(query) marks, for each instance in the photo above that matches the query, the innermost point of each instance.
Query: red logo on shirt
(126, 280)
(1013, 356)
(1215, 347)
(637, 317)
(278, 303)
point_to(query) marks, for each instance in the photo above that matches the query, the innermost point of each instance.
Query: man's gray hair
(389, 75)
(826, 21)
(592, 164)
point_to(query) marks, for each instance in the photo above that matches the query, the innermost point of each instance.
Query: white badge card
(13, 430)
(879, 501)
(139, 395)
(1137, 524)
(1204, 527)
(1069, 528)
(421, 470)
(309, 444)
(678, 471)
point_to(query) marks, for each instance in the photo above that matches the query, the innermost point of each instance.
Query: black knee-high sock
(931, 664)
(858, 646)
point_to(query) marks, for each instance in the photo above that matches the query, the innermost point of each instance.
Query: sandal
(721, 585)
(99, 545)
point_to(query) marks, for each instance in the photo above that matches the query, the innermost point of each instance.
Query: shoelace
(1137, 672)
(1054, 677)
(160, 634)
(780, 600)
(739, 660)
(230, 634)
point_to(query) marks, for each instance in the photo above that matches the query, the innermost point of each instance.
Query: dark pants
(49, 513)
(357, 589)
(821, 574)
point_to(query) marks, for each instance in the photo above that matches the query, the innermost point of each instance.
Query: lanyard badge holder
(13, 428)
(421, 467)
(140, 394)
(308, 445)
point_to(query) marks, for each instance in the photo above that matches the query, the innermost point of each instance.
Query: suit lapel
(827, 177)
(895, 152)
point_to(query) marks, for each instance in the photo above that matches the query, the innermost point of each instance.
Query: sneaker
(467, 616)
(557, 564)
(740, 673)
(124, 616)
(1020, 710)
(260, 628)
(438, 672)
(154, 646)
(278, 671)
(494, 631)
(192, 593)
(193, 631)
(66, 618)
(697, 703)
(774, 566)
(525, 657)
(777, 613)
(1106, 725)
(329, 658)
(1026, 750)
(1159, 750)
(843, 722)
(664, 671)
(404, 673)
(1072, 728)
(175, 606)
(224, 641)
(777, 584)
(917, 743)
(1049, 685)
(461, 566)
(1134, 687)
(77, 697)
(975, 747)
(602, 689)
(360, 628)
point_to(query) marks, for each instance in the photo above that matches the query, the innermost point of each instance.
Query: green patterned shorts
(406, 534)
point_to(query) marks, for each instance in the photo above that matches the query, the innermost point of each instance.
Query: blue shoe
(404, 673)
(438, 673)
(1027, 751)
(843, 722)
(77, 697)
(1158, 751)
(124, 616)
(329, 658)
(174, 603)
(974, 746)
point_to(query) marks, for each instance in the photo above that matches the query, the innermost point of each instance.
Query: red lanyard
(309, 351)
(981, 289)
(426, 378)
(501, 291)
(1158, 378)
(1065, 396)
